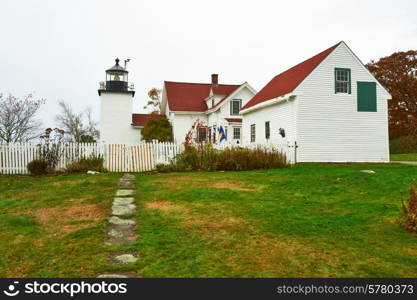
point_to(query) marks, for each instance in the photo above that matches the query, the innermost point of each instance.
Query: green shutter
(366, 96)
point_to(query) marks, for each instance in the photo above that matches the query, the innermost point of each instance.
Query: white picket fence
(14, 157)
(142, 157)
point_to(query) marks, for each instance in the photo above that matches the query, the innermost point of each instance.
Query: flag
(222, 135)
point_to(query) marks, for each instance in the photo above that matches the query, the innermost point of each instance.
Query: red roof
(142, 119)
(185, 96)
(287, 81)
(233, 120)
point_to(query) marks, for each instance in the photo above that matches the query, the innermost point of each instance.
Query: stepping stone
(127, 184)
(125, 259)
(121, 235)
(112, 276)
(128, 176)
(118, 221)
(124, 193)
(368, 171)
(123, 201)
(123, 210)
(115, 233)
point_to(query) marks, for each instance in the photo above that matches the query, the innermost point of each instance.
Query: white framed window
(342, 80)
(235, 106)
(252, 133)
(236, 133)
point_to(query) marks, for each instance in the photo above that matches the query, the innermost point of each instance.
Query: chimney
(214, 80)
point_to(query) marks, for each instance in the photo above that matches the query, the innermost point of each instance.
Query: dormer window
(235, 106)
(212, 102)
(342, 80)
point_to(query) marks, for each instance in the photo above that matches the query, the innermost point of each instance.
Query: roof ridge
(311, 58)
(288, 80)
(237, 84)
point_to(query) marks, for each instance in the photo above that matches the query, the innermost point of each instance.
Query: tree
(398, 73)
(79, 126)
(18, 121)
(154, 102)
(155, 129)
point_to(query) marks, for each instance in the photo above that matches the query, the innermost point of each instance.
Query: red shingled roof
(287, 81)
(233, 120)
(185, 96)
(142, 119)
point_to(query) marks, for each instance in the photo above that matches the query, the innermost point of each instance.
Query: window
(252, 133)
(202, 134)
(366, 96)
(212, 102)
(235, 106)
(342, 80)
(267, 130)
(214, 134)
(236, 133)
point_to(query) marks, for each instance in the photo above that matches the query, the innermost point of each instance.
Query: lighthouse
(116, 100)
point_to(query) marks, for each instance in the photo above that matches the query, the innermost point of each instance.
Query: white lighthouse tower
(116, 97)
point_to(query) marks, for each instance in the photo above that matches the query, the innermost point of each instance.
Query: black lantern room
(116, 80)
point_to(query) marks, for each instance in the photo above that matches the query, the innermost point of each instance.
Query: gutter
(284, 98)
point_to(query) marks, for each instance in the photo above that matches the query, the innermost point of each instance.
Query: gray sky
(61, 48)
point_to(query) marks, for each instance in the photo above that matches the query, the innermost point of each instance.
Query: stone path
(121, 226)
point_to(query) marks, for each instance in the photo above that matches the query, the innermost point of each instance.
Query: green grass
(46, 229)
(312, 220)
(404, 157)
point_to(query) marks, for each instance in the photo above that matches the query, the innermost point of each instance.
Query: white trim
(286, 97)
(243, 85)
(366, 69)
(184, 112)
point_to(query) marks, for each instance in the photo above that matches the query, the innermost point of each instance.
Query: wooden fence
(142, 157)
(14, 157)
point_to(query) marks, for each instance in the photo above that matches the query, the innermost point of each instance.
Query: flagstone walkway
(121, 229)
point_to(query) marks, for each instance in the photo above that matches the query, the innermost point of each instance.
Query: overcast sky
(60, 49)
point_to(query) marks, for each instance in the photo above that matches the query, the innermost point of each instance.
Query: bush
(206, 158)
(86, 164)
(405, 144)
(409, 215)
(38, 167)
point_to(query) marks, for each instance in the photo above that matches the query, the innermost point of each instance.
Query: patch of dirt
(177, 183)
(228, 185)
(67, 182)
(161, 205)
(66, 219)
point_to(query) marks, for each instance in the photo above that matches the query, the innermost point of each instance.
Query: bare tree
(18, 121)
(154, 102)
(78, 126)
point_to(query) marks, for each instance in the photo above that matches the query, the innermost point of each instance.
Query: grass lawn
(404, 157)
(309, 220)
(54, 226)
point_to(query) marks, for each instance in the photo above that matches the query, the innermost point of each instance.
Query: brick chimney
(214, 80)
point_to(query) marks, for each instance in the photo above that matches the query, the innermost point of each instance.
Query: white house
(330, 105)
(215, 105)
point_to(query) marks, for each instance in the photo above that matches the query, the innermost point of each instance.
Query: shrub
(38, 167)
(206, 158)
(409, 214)
(404, 144)
(83, 165)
